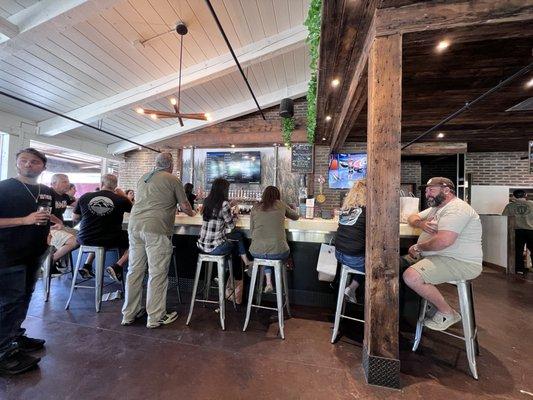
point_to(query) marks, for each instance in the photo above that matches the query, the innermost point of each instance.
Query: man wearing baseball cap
(448, 249)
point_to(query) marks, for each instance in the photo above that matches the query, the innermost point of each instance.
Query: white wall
(489, 199)
(494, 239)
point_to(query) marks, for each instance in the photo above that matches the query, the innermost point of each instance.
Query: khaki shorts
(59, 238)
(438, 269)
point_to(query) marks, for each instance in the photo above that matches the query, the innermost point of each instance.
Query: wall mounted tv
(236, 167)
(345, 169)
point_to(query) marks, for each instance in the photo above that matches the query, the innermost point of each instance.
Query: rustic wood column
(511, 259)
(381, 351)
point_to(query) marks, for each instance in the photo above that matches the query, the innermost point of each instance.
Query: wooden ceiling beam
(8, 28)
(435, 148)
(450, 14)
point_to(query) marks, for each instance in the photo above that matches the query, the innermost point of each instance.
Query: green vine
(287, 126)
(313, 39)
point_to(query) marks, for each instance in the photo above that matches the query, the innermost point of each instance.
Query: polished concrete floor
(91, 356)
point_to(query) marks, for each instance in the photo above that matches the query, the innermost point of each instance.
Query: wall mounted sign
(302, 158)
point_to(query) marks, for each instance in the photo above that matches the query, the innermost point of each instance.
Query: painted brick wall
(137, 163)
(499, 168)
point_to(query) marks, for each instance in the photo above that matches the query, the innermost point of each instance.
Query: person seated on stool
(101, 215)
(351, 234)
(267, 226)
(218, 235)
(63, 240)
(450, 247)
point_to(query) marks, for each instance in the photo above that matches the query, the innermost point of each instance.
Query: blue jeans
(16, 287)
(234, 245)
(264, 256)
(354, 262)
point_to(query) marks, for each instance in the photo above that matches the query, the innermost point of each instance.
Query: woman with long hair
(267, 225)
(218, 235)
(190, 195)
(351, 234)
(130, 194)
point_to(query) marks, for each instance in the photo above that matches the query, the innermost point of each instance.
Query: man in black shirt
(101, 214)
(64, 240)
(25, 208)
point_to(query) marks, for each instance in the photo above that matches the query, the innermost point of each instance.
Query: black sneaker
(17, 362)
(115, 272)
(87, 271)
(27, 344)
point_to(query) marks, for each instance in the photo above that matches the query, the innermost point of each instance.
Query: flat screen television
(345, 169)
(236, 167)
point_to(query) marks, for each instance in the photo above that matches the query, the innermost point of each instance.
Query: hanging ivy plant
(287, 126)
(313, 39)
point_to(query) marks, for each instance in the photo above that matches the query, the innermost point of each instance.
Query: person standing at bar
(190, 195)
(150, 227)
(25, 208)
(522, 210)
(267, 226)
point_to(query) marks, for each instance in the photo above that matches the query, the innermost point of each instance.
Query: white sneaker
(268, 288)
(349, 292)
(168, 318)
(441, 322)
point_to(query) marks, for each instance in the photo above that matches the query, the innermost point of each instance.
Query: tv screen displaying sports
(345, 169)
(236, 167)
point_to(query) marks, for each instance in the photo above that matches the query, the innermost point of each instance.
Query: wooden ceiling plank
(8, 28)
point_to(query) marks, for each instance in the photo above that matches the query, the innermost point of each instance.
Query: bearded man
(449, 249)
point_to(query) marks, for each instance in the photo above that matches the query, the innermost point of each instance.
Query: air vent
(526, 105)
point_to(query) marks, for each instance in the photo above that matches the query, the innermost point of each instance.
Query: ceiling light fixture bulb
(232, 145)
(529, 83)
(443, 45)
(323, 138)
(328, 118)
(153, 116)
(207, 116)
(335, 82)
(440, 135)
(140, 110)
(173, 101)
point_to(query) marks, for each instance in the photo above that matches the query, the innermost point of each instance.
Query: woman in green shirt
(267, 225)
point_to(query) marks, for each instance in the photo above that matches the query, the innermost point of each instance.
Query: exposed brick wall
(137, 163)
(499, 168)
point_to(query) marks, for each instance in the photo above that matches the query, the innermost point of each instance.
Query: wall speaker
(286, 108)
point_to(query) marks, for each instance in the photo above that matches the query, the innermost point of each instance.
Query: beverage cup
(47, 210)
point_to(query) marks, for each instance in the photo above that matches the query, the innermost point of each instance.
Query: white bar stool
(220, 261)
(280, 276)
(99, 253)
(466, 304)
(47, 269)
(341, 301)
(175, 263)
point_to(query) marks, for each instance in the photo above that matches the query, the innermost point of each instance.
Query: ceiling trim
(220, 115)
(256, 52)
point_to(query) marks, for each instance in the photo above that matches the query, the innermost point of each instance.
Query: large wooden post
(381, 351)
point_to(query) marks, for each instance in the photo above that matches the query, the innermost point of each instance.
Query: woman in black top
(350, 239)
(190, 195)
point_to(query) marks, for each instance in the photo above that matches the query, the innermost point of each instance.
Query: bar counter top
(316, 230)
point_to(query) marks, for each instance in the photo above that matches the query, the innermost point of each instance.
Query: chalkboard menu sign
(302, 158)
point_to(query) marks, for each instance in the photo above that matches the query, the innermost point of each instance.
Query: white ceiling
(85, 58)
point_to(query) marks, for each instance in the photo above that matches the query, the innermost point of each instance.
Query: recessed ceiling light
(173, 101)
(328, 117)
(335, 82)
(529, 83)
(153, 116)
(440, 135)
(140, 110)
(323, 138)
(232, 145)
(443, 45)
(207, 116)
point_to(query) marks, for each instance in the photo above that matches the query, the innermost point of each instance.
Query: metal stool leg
(74, 276)
(420, 323)
(208, 277)
(468, 326)
(286, 289)
(340, 304)
(279, 299)
(176, 274)
(194, 289)
(261, 269)
(99, 278)
(250, 295)
(221, 294)
(471, 292)
(47, 275)
(232, 281)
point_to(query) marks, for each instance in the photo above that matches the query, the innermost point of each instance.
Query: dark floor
(90, 356)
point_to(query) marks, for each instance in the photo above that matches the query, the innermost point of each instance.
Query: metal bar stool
(99, 253)
(175, 263)
(466, 304)
(220, 261)
(280, 276)
(47, 269)
(341, 301)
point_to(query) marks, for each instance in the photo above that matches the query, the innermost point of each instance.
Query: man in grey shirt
(150, 229)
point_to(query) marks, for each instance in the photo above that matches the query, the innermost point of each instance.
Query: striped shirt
(213, 232)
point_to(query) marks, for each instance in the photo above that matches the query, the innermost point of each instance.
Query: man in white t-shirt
(450, 247)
